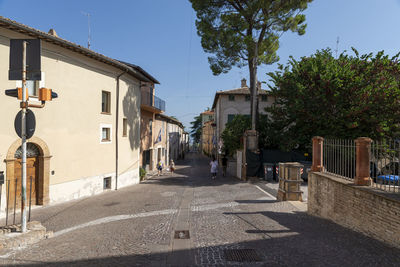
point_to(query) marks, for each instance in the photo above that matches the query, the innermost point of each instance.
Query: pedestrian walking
(172, 166)
(224, 165)
(214, 168)
(159, 167)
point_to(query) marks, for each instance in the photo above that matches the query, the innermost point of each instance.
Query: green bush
(142, 173)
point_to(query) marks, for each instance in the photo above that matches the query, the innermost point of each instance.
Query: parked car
(390, 168)
(389, 174)
(388, 179)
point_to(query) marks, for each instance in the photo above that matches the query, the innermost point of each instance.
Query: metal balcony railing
(153, 101)
(159, 103)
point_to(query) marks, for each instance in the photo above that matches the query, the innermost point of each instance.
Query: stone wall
(363, 209)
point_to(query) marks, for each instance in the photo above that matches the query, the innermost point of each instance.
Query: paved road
(225, 218)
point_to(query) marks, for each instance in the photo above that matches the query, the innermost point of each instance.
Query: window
(33, 87)
(247, 98)
(151, 127)
(105, 133)
(231, 98)
(231, 117)
(105, 102)
(107, 183)
(124, 127)
(264, 98)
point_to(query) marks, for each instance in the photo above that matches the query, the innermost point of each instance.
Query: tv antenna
(88, 16)
(337, 45)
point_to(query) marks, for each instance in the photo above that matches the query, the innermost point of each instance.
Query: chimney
(258, 85)
(53, 32)
(244, 83)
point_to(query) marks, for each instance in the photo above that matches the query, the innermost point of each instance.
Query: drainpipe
(116, 129)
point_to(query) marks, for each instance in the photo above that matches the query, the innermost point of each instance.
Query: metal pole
(15, 198)
(1, 190)
(23, 135)
(30, 200)
(8, 198)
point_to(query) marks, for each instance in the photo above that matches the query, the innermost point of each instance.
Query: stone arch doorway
(38, 169)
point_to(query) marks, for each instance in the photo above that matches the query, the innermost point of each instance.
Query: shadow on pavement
(304, 241)
(255, 201)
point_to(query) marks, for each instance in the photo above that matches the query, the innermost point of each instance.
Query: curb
(13, 238)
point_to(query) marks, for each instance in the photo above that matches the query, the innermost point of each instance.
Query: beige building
(178, 139)
(150, 148)
(87, 140)
(229, 103)
(207, 141)
(160, 140)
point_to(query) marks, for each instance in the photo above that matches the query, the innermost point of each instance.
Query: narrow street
(135, 226)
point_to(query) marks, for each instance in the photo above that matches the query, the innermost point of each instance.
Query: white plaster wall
(70, 124)
(224, 107)
(90, 186)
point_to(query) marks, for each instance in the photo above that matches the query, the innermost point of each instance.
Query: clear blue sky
(160, 36)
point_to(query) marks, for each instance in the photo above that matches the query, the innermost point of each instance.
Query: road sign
(33, 59)
(30, 123)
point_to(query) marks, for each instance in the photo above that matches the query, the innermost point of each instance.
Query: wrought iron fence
(384, 165)
(159, 103)
(339, 158)
(13, 200)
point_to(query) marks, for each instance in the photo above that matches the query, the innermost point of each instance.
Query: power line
(189, 52)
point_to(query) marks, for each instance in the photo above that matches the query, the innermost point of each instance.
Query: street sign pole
(24, 105)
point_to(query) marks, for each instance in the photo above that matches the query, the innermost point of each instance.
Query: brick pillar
(317, 163)
(363, 146)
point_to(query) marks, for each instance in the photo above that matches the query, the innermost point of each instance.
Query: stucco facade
(74, 157)
(237, 101)
(151, 149)
(160, 141)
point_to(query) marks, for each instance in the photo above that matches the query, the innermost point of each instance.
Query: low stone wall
(363, 209)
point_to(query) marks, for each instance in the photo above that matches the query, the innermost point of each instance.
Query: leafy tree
(246, 33)
(195, 133)
(347, 97)
(233, 132)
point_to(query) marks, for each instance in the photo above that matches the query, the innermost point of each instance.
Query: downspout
(116, 129)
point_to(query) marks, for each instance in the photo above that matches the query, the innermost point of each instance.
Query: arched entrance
(38, 171)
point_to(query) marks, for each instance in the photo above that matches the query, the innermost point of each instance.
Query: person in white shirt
(214, 168)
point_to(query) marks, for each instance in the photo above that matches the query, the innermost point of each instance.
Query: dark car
(306, 168)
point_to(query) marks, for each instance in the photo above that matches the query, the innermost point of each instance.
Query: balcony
(152, 103)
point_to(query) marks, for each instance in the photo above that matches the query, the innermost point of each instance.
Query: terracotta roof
(208, 112)
(145, 73)
(170, 119)
(34, 33)
(237, 91)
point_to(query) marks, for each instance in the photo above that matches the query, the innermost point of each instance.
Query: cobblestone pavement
(135, 226)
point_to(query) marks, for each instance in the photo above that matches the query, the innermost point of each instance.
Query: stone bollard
(289, 182)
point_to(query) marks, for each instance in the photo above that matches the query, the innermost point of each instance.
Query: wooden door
(32, 177)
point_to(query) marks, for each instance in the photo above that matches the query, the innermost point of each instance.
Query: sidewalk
(272, 188)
